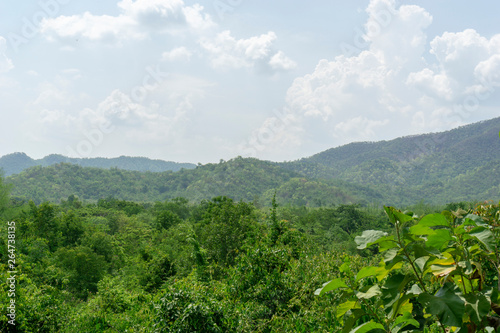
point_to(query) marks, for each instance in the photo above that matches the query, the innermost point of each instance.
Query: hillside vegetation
(458, 165)
(17, 162)
(254, 246)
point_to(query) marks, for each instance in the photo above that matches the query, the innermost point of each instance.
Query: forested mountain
(438, 154)
(17, 162)
(439, 166)
(245, 179)
(241, 179)
(457, 165)
(200, 250)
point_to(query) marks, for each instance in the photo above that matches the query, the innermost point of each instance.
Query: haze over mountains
(460, 164)
(17, 162)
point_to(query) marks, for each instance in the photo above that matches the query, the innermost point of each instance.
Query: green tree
(166, 219)
(83, 269)
(224, 228)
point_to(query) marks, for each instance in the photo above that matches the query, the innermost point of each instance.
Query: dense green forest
(247, 246)
(458, 165)
(241, 179)
(222, 265)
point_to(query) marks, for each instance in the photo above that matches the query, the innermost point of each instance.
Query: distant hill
(17, 162)
(241, 179)
(458, 165)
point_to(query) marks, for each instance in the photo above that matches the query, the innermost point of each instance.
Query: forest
(221, 265)
(254, 246)
(458, 165)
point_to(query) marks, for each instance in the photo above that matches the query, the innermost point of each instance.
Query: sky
(200, 81)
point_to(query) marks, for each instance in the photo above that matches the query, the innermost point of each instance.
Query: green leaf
(446, 305)
(331, 285)
(371, 292)
(387, 243)
(477, 307)
(434, 220)
(439, 238)
(351, 321)
(396, 215)
(367, 271)
(370, 326)
(403, 321)
(476, 219)
(369, 237)
(485, 236)
(442, 270)
(346, 306)
(414, 290)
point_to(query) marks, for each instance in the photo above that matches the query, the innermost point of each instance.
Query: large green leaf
(477, 306)
(369, 237)
(434, 220)
(331, 285)
(346, 306)
(370, 326)
(414, 290)
(349, 323)
(387, 243)
(485, 236)
(396, 215)
(439, 238)
(393, 301)
(476, 219)
(366, 272)
(445, 304)
(371, 292)
(403, 321)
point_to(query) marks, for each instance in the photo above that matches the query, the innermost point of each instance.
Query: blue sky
(201, 81)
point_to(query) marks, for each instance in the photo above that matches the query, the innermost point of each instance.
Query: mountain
(17, 162)
(462, 164)
(240, 178)
(429, 166)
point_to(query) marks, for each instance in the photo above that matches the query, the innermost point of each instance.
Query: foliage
(182, 310)
(140, 258)
(432, 267)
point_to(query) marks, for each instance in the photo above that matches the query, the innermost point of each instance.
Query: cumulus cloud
(163, 118)
(397, 84)
(5, 63)
(254, 52)
(136, 20)
(178, 53)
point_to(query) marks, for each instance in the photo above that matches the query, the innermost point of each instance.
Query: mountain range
(17, 162)
(462, 164)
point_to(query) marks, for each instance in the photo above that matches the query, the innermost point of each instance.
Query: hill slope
(461, 164)
(429, 166)
(17, 162)
(241, 179)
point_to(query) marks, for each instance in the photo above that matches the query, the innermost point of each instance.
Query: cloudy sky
(201, 81)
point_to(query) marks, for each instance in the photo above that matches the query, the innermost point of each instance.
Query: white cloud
(103, 28)
(280, 61)
(179, 53)
(154, 13)
(136, 20)
(162, 120)
(254, 52)
(388, 89)
(5, 63)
